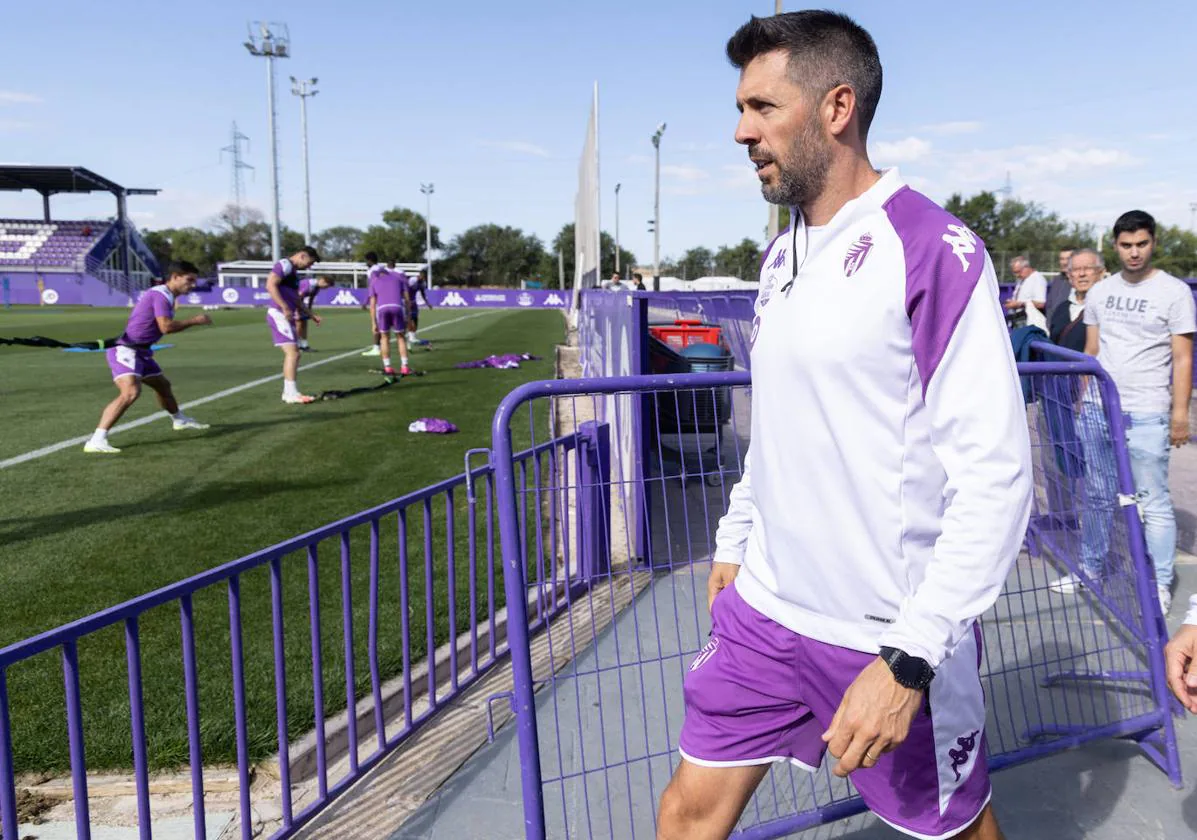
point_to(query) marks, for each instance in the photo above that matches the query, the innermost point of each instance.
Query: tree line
(500, 255)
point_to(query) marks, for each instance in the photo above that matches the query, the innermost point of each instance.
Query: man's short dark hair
(179, 268)
(371, 257)
(311, 252)
(826, 49)
(1134, 220)
(637, 276)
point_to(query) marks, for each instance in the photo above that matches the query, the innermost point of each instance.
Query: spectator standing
(1030, 294)
(1067, 325)
(1140, 324)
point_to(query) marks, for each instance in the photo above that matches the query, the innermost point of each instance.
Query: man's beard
(805, 176)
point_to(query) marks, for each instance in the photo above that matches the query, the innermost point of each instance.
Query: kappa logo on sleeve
(963, 242)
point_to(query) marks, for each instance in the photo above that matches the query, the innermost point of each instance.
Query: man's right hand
(722, 574)
(202, 320)
(1180, 659)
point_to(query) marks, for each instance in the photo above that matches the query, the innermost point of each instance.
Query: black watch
(909, 671)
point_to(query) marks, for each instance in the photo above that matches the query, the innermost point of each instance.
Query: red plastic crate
(686, 331)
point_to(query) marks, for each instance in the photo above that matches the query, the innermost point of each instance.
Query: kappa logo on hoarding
(49, 296)
(454, 299)
(554, 300)
(524, 299)
(230, 295)
(343, 297)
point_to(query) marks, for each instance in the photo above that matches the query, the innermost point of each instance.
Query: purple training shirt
(387, 288)
(288, 286)
(142, 328)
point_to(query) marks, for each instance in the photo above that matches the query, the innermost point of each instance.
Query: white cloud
(955, 127)
(682, 172)
(520, 146)
(901, 151)
(12, 97)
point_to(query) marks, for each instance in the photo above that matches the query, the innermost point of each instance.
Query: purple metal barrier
(420, 571)
(599, 700)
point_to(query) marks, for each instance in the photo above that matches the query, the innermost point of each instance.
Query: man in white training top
(887, 488)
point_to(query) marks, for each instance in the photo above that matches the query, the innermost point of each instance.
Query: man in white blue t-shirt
(884, 495)
(1140, 324)
(1030, 293)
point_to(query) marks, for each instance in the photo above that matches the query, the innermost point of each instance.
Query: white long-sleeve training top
(888, 482)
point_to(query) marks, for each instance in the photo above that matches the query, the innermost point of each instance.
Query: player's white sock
(290, 389)
(303, 344)
(403, 361)
(99, 436)
(411, 336)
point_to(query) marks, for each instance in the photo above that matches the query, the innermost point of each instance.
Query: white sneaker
(373, 351)
(189, 423)
(100, 448)
(298, 399)
(1067, 585)
(1165, 599)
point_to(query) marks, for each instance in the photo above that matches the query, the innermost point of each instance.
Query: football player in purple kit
(309, 287)
(884, 495)
(283, 313)
(390, 301)
(373, 266)
(132, 359)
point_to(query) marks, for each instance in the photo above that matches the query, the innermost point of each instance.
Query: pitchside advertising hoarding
(343, 297)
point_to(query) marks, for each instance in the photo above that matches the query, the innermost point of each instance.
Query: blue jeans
(1147, 442)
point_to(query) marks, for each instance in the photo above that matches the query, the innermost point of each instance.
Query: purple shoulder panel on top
(944, 262)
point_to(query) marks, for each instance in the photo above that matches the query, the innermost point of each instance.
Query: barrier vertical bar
(347, 625)
(404, 620)
(517, 620)
(74, 710)
(195, 757)
(8, 791)
(247, 825)
(317, 668)
(141, 778)
(375, 671)
(594, 487)
(450, 553)
(280, 687)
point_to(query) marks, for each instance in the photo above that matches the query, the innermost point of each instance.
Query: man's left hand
(873, 718)
(1180, 428)
(316, 319)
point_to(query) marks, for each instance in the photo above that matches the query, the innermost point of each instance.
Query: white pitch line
(228, 392)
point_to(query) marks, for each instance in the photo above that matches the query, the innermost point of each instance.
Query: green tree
(400, 237)
(192, 244)
(564, 242)
(695, 263)
(1013, 227)
(493, 255)
(743, 260)
(339, 242)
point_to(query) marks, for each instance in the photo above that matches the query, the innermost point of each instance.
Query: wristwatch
(909, 671)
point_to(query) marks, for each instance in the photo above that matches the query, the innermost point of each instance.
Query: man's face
(1084, 272)
(783, 132)
(1135, 249)
(1020, 270)
(181, 284)
(1064, 257)
(301, 261)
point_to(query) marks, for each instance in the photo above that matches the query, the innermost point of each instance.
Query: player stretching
(283, 314)
(373, 266)
(132, 360)
(419, 286)
(390, 301)
(308, 289)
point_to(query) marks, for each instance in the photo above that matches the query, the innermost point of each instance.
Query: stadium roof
(49, 180)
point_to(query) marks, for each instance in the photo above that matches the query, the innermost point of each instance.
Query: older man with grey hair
(1066, 326)
(1030, 294)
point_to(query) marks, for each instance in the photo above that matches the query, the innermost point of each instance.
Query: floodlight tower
(271, 41)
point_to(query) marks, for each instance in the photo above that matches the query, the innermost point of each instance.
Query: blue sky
(1089, 107)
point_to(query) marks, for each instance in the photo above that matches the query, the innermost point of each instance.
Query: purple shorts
(392, 319)
(282, 330)
(131, 361)
(759, 693)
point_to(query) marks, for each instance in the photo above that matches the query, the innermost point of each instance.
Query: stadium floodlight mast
(271, 41)
(303, 88)
(657, 209)
(428, 190)
(617, 186)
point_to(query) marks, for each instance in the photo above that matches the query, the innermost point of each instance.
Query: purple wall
(59, 290)
(345, 297)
